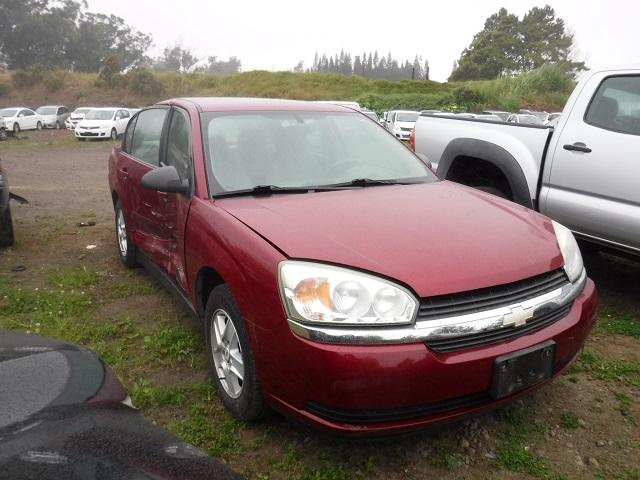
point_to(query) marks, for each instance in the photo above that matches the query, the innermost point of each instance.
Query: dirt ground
(583, 425)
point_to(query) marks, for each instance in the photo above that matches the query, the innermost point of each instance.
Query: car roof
(16, 108)
(235, 104)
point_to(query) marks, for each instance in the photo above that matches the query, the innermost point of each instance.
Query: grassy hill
(545, 88)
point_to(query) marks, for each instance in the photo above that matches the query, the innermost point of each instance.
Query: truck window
(616, 105)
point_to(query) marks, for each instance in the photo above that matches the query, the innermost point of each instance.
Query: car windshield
(302, 149)
(99, 115)
(8, 112)
(80, 111)
(407, 117)
(47, 110)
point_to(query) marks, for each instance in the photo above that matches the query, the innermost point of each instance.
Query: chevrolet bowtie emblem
(518, 316)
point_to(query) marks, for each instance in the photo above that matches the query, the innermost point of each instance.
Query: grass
(132, 287)
(174, 343)
(613, 321)
(626, 372)
(547, 88)
(568, 419)
(73, 278)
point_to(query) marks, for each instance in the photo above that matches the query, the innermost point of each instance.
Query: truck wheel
(492, 191)
(126, 247)
(230, 357)
(6, 229)
(16, 128)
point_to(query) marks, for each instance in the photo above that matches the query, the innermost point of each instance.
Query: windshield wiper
(367, 182)
(270, 190)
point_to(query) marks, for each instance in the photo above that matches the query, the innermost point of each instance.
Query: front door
(593, 185)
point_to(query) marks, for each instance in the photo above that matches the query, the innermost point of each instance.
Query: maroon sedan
(335, 277)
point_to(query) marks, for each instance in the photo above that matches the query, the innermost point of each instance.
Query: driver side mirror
(165, 179)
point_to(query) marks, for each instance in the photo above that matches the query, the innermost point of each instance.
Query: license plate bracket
(518, 370)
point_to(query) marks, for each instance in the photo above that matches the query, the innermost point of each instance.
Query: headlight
(573, 265)
(318, 293)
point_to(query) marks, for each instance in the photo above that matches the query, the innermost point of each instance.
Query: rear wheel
(230, 357)
(114, 134)
(126, 247)
(6, 229)
(39, 126)
(16, 128)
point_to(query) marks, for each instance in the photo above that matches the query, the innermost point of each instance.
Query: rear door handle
(577, 147)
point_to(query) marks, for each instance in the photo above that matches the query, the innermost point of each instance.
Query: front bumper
(402, 135)
(97, 133)
(382, 389)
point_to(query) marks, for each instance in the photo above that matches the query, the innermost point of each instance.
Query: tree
(226, 67)
(299, 68)
(176, 58)
(58, 33)
(508, 46)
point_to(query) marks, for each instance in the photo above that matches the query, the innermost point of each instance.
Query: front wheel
(39, 126)
(230, 357)
(114, 134)
(16, 128)
(126, 247)
(6, 229)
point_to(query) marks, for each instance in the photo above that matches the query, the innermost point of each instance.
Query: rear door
(593, 180)
(122, 119)
(144, 209)
(28, 120)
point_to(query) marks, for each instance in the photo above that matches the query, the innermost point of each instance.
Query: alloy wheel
(121, 228)
(227, 353)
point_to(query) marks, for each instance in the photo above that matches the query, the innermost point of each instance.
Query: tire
(58, 127)
(126, 248)
(242, 398)
(114, 134)
(6, 229)
(16, 128)
(492, 191)
(39, 126)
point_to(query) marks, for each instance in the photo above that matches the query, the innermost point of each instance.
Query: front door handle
(577, 147)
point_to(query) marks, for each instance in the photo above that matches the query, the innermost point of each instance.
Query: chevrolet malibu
(335, 277)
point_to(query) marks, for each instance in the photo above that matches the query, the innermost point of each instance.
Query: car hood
(95, 123)
(435, 238)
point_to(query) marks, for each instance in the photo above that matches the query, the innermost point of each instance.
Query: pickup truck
(584, 173)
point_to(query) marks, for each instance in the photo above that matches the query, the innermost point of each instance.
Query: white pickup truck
(584, 173)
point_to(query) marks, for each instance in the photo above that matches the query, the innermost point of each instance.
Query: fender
(492, 153)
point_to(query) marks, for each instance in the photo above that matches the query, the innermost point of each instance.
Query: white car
(401, 122)
(21, 118)
(75, 117)
(53, 116)
(108, 122)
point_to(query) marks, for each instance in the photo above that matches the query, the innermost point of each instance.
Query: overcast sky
(276, 34)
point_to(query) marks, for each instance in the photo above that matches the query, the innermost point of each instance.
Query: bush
(28, 78)
(4, 88)
(55, 80)
(110, 76)
(143, 82)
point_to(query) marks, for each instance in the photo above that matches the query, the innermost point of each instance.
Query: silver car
(53, 116)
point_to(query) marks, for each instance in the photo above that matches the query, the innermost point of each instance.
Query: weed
(514, 456)
(624, 405)
(621, 371)
(200, 429)
(620, 323)
(133, 287)
(175, 343)
(68, 278)
(568, 419)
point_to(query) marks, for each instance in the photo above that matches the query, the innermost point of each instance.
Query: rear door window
(616, 105)
(145, 141)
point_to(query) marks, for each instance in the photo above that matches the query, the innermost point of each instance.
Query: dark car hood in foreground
(436, 238)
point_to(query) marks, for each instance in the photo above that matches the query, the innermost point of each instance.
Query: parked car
(75, 117)
(525, 119)
(331, 270)
(53, 116)
(503, 115)
(21, 118)
(401, 122)
(371, 114)
(65, 415)
(6, 224)
(552, 119)
(584, 173)
(103, 123)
